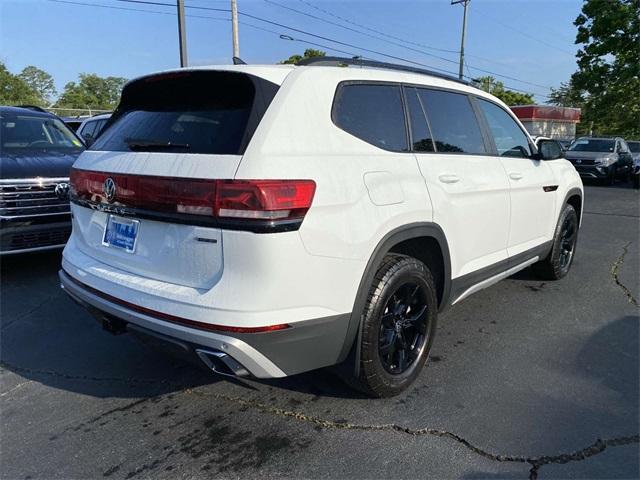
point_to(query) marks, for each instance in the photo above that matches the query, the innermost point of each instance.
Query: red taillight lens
(264, 199)
(249, 200)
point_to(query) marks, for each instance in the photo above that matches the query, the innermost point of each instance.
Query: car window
(88, 129)
(420, 133)
(189, 112)
(373, 113)
(453, 122)
(21, 132)
(99, 126)
(509, 138)
(598, 145)
(634, 146)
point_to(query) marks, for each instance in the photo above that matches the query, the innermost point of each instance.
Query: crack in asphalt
(614, 273)
(536, 462)
(28, 312)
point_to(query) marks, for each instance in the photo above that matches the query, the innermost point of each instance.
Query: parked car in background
(36, 153)
(634, 146)
(276, 232)
(91, 128)
(73, 122)
(565, 144)
(601, 158)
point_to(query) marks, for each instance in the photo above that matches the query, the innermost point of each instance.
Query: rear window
(373, 113)
(190, 112)
(634, 146)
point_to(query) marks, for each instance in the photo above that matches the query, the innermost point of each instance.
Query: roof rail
(358, 62)
(33, 107)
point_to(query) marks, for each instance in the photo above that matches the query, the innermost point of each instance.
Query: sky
(531, 41)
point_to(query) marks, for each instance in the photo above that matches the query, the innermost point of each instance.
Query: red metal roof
(546, 112)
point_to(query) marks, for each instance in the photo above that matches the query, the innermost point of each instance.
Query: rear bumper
(304, 346)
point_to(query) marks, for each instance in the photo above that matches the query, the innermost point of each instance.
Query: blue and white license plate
(121, 233)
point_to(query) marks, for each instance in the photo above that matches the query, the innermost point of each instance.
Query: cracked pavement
(526, 379)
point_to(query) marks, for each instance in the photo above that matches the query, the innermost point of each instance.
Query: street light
(464, 30)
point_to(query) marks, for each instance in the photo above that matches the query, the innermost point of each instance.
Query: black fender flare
(398, 235)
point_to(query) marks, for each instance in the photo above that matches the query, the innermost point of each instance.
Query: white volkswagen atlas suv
(278, 219)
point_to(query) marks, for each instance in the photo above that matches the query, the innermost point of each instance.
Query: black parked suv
(601, 158)
(36, 153)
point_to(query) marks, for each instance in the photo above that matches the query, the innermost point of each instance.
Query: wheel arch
(425, 241)
(574, 198)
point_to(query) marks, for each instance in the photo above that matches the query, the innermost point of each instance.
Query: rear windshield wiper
(139, 144)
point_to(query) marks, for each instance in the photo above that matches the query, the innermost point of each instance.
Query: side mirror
(88, 139)
(549, 150)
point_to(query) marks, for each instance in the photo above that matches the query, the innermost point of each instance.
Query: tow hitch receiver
(113, 325)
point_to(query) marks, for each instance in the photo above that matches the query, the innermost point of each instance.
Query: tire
(611, 177)
(558, 262)
(399, 323)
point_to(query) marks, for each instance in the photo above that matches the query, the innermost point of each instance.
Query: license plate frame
(121, 233)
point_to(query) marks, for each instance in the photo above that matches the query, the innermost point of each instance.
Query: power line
(384, 34)
(528, 35)
(286, 27)
(508, 77)
(113, 7)
(404, 40)
(377, 37)
(151, 2)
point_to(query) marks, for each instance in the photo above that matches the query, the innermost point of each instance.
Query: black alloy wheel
(568, 237)
(403, 328)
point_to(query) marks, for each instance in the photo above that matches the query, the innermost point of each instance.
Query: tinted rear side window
(509, 138)
(373, 113)
(453, 122)
(420, 134)
(191, 112)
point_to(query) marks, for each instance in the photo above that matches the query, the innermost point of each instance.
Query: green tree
(15, 91)
(92, 91)
(497, 89)
(566, 95)
(308, 53)
(609, 65)
(41, 82)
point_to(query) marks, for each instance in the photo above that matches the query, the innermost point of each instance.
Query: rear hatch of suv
(144, 194)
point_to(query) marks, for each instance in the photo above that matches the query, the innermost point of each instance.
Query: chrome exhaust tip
(221, 363)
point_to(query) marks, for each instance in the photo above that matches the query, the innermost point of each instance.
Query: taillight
(264, 199)
(262, 203)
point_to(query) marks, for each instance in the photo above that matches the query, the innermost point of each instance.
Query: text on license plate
(121, 233)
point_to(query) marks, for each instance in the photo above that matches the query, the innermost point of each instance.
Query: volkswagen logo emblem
(62, 191)
(109, 189)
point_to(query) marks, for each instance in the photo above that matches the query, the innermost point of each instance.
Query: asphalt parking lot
(526, 378)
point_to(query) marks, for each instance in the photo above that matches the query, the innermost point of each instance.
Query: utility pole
(464, 31)
(182, 34)
(234, 27)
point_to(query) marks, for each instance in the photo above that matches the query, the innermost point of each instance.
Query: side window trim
(336, 97)
(406, 87)
(487, 136)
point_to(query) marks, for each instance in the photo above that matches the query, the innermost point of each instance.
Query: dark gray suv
(601, 158)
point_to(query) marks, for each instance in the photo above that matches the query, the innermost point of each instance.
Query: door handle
(515, 176)
(449, 178)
